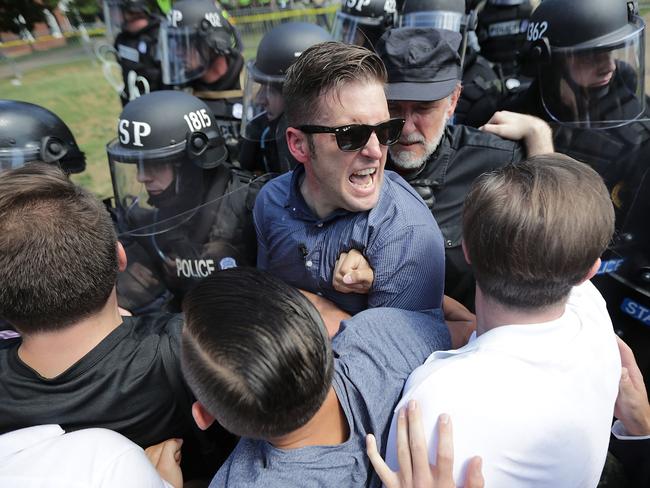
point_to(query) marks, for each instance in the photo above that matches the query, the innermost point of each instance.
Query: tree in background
(16, 15)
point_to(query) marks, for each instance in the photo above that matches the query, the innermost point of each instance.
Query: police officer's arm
(412, 453)
(533, 132)
(632, 407)
(630, 442)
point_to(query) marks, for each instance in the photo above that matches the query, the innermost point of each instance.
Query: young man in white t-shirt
(533, 392)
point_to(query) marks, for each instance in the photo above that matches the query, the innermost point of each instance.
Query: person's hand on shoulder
(632, 407)
(352, 273)
(414, 469)
(533, 132)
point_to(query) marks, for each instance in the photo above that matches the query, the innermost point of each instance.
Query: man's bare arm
(533, 132)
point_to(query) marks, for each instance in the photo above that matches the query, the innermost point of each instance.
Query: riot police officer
(587, 58)
(201, 50)
(29, 132)
(182, 211)
(135, 24)
(482, 87)
(501, 31)
(362, 22)
(264, 147)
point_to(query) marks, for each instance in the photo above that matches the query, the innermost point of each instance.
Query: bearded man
(441, 161)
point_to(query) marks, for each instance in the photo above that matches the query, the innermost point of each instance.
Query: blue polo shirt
(399, 237)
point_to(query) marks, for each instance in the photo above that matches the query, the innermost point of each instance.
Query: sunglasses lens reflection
(353, 138)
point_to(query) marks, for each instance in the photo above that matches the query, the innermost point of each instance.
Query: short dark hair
(58, 256)
(533, 229)
(322, 68)
(255, 352)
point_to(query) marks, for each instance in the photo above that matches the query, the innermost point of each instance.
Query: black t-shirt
(131, 383)
(121, 384)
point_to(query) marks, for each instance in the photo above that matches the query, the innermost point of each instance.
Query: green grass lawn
(78, 93)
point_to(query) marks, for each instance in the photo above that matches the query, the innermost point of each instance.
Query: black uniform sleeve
(634, 455)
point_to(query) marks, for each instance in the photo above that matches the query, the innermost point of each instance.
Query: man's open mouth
(363, 178)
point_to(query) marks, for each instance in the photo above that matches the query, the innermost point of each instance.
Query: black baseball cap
(423, 64)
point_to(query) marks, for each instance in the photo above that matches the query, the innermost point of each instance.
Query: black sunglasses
(353, 137)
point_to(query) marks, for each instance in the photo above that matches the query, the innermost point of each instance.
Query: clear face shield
(599, 87)
(263, 103)
(153, 188)
(113, 18)
(184, 57)
(11, 158)
(49, 149)
(118, 18)
(360, 31)
(163, 201)
(436, 19)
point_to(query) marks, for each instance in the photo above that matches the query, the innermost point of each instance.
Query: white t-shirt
(535, 400)
(46, 457)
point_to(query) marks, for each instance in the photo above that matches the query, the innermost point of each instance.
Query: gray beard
(406, 161)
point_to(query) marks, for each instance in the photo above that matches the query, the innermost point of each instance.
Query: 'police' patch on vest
(610, 266)
(509, 28)
(636, 311)
(126, 52)
(194, 268)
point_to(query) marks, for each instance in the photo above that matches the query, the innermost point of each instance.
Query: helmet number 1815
(198, 120)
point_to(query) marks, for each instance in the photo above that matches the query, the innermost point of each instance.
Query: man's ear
(121, 257)
(465, 253)
(453, 100)
(298, 144)
(202, 417)
(592, 271)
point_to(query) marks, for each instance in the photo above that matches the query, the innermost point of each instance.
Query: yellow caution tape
(49, 37)
(285, 14)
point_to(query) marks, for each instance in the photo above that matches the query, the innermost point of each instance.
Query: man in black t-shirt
(79, 363)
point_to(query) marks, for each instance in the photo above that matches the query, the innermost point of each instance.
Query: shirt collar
(297, 204)
(531, 340)
(13, 442)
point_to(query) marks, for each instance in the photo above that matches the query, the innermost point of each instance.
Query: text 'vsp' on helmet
(194, 34)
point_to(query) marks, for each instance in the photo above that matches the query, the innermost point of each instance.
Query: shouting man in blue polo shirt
(340, 198)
